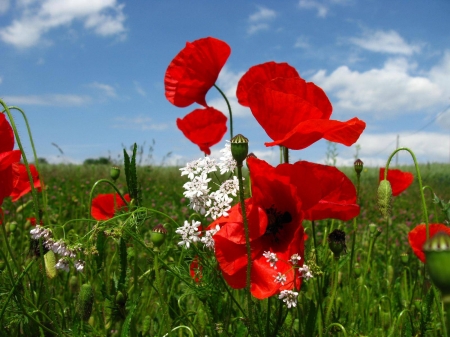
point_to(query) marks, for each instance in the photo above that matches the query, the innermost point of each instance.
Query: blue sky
(89, 73)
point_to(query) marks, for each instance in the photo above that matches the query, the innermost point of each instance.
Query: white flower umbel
(305, 272)
(295, 259)
(79, 266)
(271, 258)
(197, 191)
(289, 297)
(189, 233)
(208, 240)
(227, 163)
(280, 278)
(62, 264)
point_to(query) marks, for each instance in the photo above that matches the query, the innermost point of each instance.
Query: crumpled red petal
(262, 73)
(103, 205)
(398, 179)
(204, 127)
(418, 236)
(194, 71)
(21, 183)
(6, 135)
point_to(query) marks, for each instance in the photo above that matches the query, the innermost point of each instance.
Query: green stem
(160, 289)
(419, 178)
(333, 291)
(285, 154)
(436, 214)
(249, 252)
(447, 313)
(229, 110)
(25, 161)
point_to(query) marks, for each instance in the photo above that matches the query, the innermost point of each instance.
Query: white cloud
(4, 6)
(387, 91)
(105, 88)
(302, 42)
(48, 100)
(104, 17)
(227, 82)
(259, 20)
(1, 80)
(139, 89)
(385, 42)
(322, 9)
(142, 123)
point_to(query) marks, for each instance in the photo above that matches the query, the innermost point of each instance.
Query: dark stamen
(276, 221)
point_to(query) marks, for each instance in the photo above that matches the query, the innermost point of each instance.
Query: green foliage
(97, 161)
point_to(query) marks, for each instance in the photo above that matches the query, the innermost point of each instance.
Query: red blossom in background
(194, 71)
(418, 236)
(204, 127)
(398, 179)
(8, 156)
(103, 206)
(293, 113)
(21, 183)
(195, 270)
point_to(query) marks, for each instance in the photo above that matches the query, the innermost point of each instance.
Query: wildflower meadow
(228, 246)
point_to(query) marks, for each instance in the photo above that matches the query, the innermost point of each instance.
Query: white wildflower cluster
(305, 272)
(295, 259)
(280, 278)
(289, 297)
(189, 233)
(58, 247)
(271, 258)
(207, 240)
(198, 191)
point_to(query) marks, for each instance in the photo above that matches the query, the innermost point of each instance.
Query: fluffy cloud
(48, 100)
(104, 17)
(106, 89)
(389, 90)
(4, 6)
(138, 123)
(385, 42)
(259, 20)
(322, 9)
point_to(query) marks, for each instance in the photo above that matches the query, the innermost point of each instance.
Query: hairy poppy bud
(50, 262)
(384, 198)
(85, 301)
(437, 252)
(158, 235)
(358, 165)
(404, 257)
(239, 148)
(336, 241)
(114, 173)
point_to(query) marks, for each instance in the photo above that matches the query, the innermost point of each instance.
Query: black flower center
(276, 221)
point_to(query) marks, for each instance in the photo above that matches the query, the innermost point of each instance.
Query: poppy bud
(158, 235)
(437, 252)
(239, 148)
(85, 301)
(358, 165)
(404, 257)
(114, 173)
(357, 270)
(336, 241)
(384, 198)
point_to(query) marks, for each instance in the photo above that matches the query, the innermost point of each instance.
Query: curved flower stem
(249, 251)
(419, 178)
(93, 188)
(229, 110)
(25, 161)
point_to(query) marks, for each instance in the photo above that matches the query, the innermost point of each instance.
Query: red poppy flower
(418, 236)
(32, 221)
(194, 71)
(195, 270)
(204, 127)
(8, 156)
(21, 183)
(398, 179)
(104, 208)
(293, 113)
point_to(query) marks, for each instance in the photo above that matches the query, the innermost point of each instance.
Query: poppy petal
(6, 135)
(103, 205)
(21, 183)
(204, 127)
(398, 179)
(418, 236)
(194, 71)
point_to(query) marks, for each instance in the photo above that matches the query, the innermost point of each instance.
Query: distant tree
(98, 161)
(42, 160)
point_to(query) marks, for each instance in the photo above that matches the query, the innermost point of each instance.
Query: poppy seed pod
(358, 165)
(384, 198)
(114, 173)
(336, 241)
(239, 148)
(437, 252)
(158, 235)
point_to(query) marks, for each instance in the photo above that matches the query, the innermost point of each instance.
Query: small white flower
(280, 278)
(305, 272)
(79, 265)
(40, 232)
(227, 163)
(62, 264)
(289, 297)
(295, 259)
(189, 233)
(271, 258)
(207, 240)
